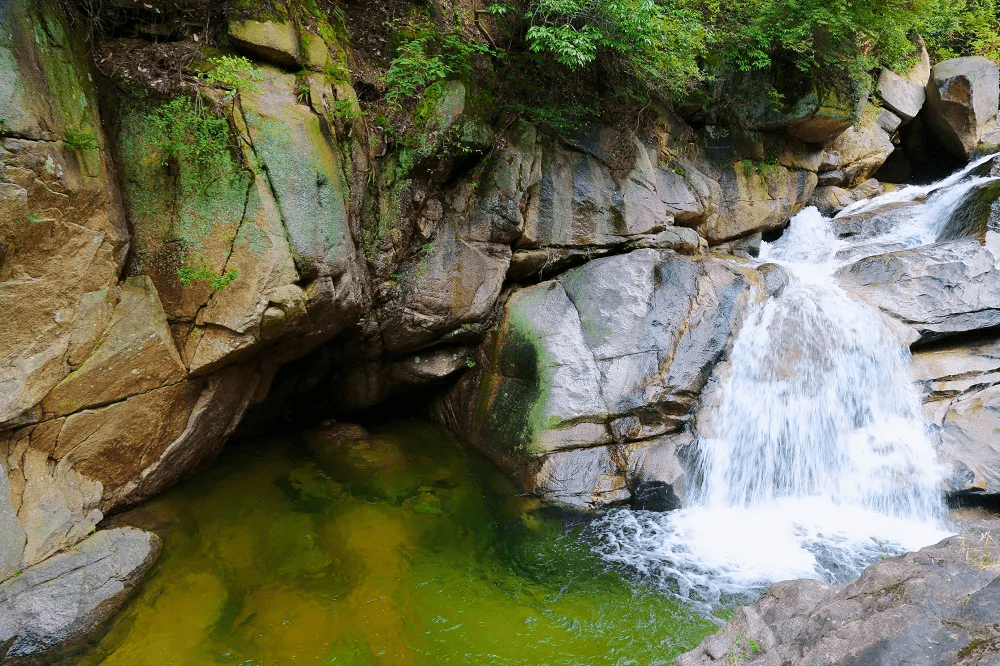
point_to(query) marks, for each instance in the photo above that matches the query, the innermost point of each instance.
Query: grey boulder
(65, 598)
(962, 99)
(608, 355)
(936, 290)
(936, 606)
(960, 386)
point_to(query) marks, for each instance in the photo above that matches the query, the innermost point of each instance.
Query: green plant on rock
(233, 72)
(79, 139)
(346, 111)
(743, 648)
(302, 93)
(183, 131)
(426, 57)
(199, 271)
(561, 118)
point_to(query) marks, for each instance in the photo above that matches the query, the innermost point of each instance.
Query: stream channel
(405, 547)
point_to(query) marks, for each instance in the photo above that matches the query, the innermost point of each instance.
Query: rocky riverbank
(936, 606)
(571, 294)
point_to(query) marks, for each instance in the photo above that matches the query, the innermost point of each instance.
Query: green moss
(184, 191)
(512, 409)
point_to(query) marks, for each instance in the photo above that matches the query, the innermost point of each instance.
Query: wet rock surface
(936, 606)
(582, 367)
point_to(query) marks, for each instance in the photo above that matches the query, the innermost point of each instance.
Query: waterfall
(812, 456)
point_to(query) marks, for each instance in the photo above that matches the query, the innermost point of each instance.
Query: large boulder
(936, 606)
(608, 356)
(860, 150)
(962, 101)
(900, 96)
(832, 199)
(756, 197)
(64, 599)
(580, 204)
(935, 290)
(274, 41)
(815, 117)
(904, 93)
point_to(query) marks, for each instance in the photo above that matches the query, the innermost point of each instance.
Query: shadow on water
(403, 547)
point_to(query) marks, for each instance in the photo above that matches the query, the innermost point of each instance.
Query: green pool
(399, 548)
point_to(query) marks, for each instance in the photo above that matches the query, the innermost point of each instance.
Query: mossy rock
(183, 212)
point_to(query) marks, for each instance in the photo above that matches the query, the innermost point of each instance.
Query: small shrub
(426, 58)
(233, 72)
(346, 111)
(302, 93)
(183, 131)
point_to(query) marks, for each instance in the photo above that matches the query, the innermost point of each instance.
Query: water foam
(813, 460)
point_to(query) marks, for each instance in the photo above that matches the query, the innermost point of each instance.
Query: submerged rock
(936, 606)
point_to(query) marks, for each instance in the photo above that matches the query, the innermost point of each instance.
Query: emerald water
(400, 548)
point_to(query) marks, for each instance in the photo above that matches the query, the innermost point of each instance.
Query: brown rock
(135, 354)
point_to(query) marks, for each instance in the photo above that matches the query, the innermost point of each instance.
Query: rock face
(66, 597)
(860, 150)
(935, 606)
(962, 100)
(961, 391)
(590, 370)
(118, 376)
(936, 290)
(152, 289)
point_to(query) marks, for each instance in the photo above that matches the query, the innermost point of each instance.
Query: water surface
(403, 548)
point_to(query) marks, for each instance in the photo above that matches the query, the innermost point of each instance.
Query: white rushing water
(818, 462)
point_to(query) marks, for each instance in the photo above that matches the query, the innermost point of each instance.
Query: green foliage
(426, 57)
(346, 111)
(233, 72)
(658, 43)
(184, 132)
(199, 271)
(563, 118)
(964, 27)
(745, 50)
(469, 363)
(78, 139)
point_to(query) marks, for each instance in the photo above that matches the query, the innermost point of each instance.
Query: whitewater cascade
(813, 460)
